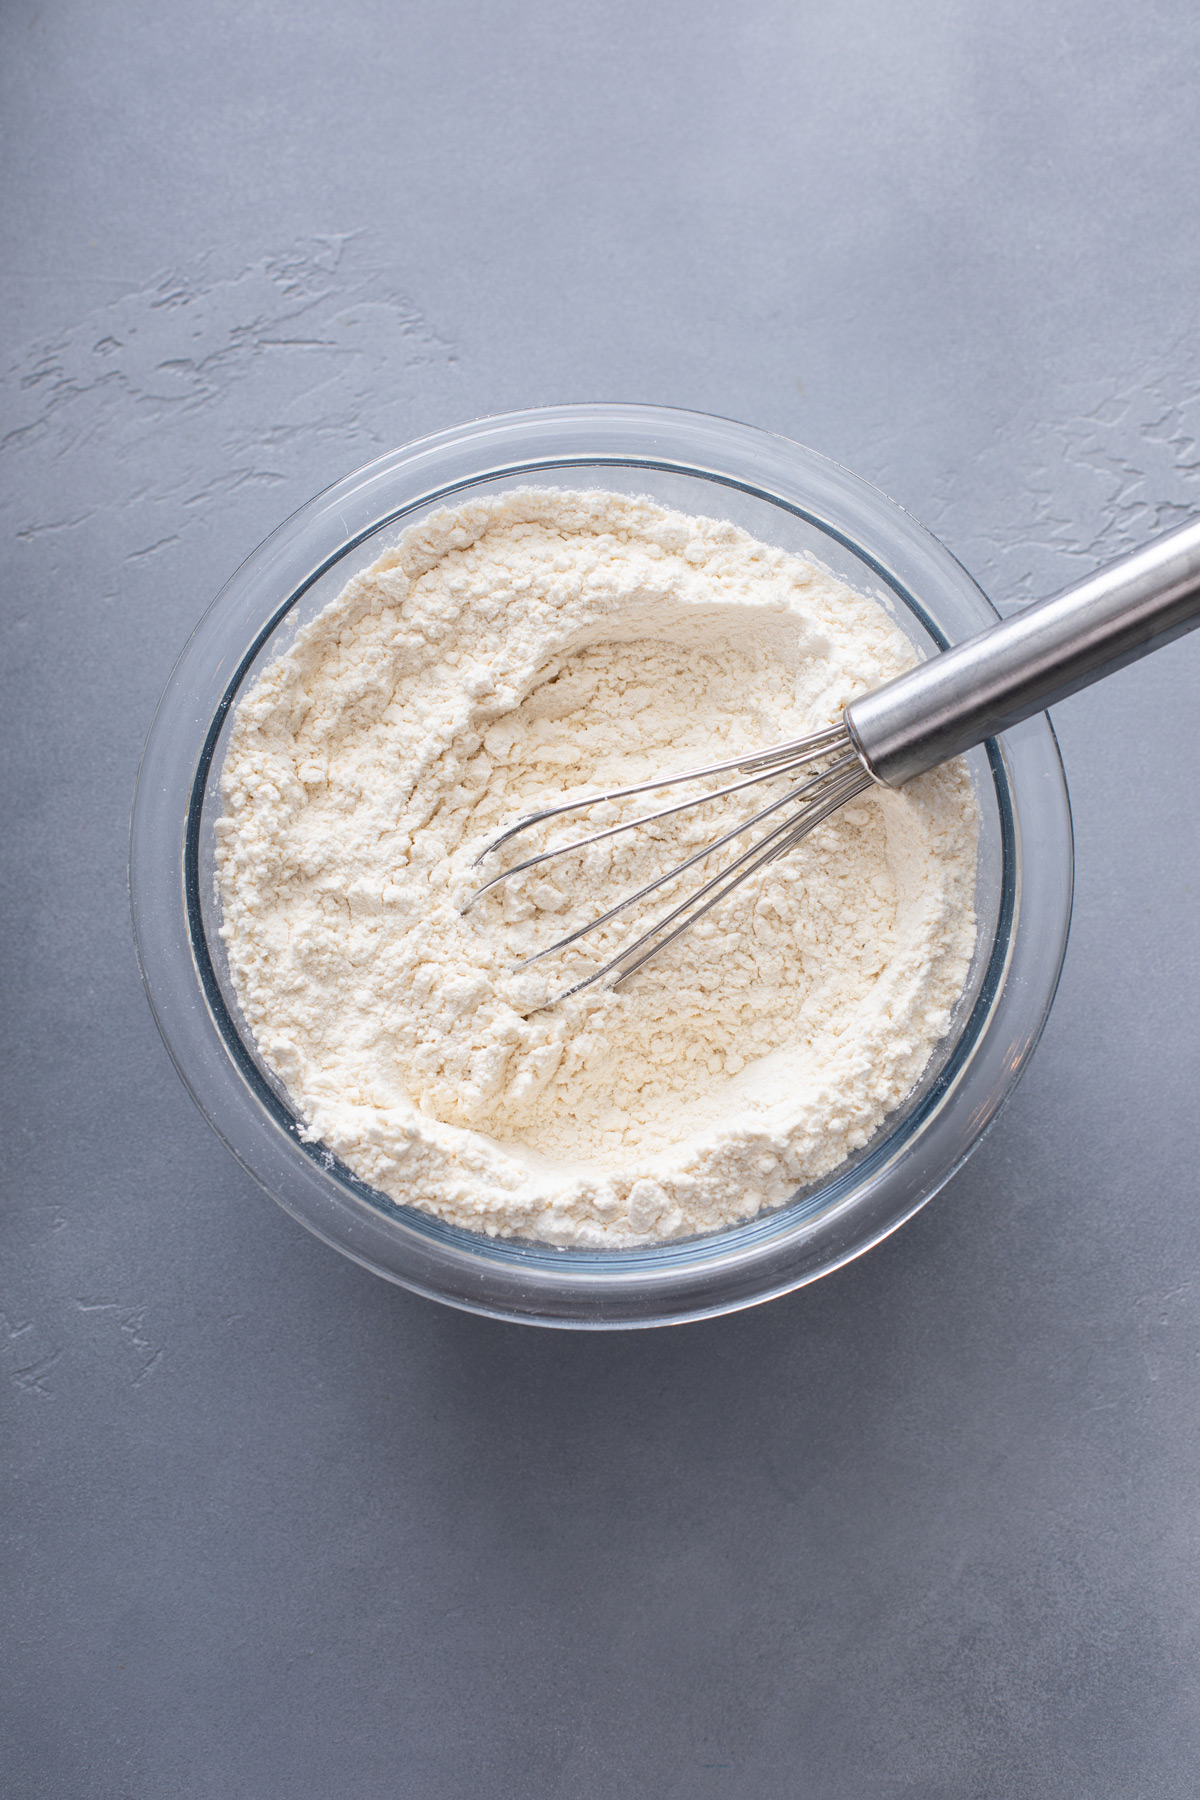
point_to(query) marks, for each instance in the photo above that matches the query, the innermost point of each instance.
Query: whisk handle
(1029, 661)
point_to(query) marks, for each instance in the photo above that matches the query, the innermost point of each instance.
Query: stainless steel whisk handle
(1029, 661)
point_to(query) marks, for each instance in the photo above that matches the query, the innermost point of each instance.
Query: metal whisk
(934, 712)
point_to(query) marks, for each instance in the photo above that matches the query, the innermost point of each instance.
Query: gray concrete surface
(927, 1531)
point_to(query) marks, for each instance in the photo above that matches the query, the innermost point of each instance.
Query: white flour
(499, 657)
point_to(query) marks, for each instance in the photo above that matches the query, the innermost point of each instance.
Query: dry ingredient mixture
(502, 656)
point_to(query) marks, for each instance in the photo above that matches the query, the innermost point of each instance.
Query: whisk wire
(815, 798)
(813, 787)
(666, 812)
(776, 843)
(793, 753)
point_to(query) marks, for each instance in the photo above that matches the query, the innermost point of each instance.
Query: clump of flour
(501, 657)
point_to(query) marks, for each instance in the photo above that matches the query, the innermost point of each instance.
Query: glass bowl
(783, 494)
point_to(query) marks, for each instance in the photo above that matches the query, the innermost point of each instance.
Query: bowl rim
(858, 1204)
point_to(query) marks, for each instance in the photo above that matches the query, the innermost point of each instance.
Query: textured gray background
(926, 1531)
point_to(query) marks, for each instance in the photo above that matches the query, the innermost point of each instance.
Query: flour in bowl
(503, 656)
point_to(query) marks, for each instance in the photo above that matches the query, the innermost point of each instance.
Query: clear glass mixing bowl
(783, 494)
